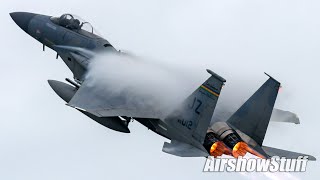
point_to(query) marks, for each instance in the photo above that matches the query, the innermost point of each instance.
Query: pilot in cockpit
(69, 22)
(74, 23)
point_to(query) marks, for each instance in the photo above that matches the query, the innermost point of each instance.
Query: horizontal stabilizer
(181, 149)
(279, 115)
(283, 153)
(223, 112)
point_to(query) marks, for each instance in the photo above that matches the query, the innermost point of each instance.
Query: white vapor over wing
(158, 85)
(148, 83)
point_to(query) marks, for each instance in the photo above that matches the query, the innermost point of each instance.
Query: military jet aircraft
(187, 126)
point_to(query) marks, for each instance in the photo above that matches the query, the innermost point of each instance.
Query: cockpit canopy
(75, 23)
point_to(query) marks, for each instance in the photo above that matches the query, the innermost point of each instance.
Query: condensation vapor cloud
(139, 80)
(160, 86)
(155, 84)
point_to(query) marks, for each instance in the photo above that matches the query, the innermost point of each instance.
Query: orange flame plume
(241, 149)
(219, 148)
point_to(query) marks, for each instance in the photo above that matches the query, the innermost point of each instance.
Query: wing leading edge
(103, 104)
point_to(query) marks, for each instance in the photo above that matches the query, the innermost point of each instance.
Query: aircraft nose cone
(22, 19)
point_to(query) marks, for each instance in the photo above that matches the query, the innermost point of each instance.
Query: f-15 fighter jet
(187, 126)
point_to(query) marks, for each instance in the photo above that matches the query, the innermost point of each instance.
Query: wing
(102, 103)
(283, 153)
(181, 149)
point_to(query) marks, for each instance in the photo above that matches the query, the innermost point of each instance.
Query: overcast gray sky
(41, 138)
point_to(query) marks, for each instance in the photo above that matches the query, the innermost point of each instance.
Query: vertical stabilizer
(253, 117)
(193, 117)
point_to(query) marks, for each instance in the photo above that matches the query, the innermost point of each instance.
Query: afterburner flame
(241, 149)
(218, 149)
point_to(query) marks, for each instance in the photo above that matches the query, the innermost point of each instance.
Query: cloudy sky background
(41, 138)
